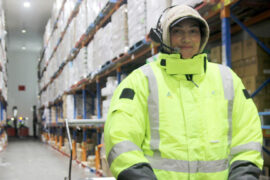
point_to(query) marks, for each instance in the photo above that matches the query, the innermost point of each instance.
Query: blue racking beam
(50, 115)
(250, 33)
(74, 133)
(84, 104)
(261, 87)
(56, 113)
(61, 110)
(93, 104)
(1, 111)
(84, 135)
(98, 100)
(226, 41)
(261, 44)
(119, 75)
(74, 109)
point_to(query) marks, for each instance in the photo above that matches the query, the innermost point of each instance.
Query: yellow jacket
(185, 119)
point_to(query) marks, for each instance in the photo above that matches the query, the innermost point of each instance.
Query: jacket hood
(171, 16)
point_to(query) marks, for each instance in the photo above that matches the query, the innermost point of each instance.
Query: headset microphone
(156, 36)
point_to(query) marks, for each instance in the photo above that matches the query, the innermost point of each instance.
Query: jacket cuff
(140, 171)
(244, 170)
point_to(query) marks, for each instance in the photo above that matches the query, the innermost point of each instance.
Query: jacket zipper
(190, 78)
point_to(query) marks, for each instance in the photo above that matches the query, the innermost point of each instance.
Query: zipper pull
(194, 83)
(190, 78)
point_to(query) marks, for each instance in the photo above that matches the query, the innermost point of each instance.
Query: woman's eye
(176, 31)
(194, 31)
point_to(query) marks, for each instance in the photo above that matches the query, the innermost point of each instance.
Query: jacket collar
(173, 64)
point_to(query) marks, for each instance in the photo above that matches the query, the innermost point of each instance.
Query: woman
(183, 117)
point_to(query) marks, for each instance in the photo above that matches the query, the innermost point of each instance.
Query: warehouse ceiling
(33, 19)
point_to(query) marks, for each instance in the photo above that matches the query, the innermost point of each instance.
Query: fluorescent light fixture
(26, 4)
(23, 31)
(23, 48)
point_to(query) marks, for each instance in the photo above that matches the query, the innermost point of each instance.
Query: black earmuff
(156, 33)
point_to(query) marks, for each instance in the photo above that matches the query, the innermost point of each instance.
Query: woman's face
(186, 36)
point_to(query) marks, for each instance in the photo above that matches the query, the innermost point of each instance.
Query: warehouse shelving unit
(125, 63)
(3, 89)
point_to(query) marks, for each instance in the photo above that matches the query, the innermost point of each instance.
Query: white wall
(22, 70)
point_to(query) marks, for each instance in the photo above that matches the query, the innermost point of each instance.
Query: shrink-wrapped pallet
(119, 31)
(191, 3)
(136, 21)
(154, 10)
(102, 46)
(90, 57)
(107, 92)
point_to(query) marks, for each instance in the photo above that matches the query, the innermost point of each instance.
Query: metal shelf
(110, 8)
(53, 30)
(72, 15)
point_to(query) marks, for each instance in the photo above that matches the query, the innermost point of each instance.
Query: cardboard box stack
(136, 21)
(107, 92)
(252, 64)
(154, 10)
(119, 31)
(68, 106)
(215, 54)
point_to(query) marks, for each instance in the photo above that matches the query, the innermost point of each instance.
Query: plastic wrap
(154, 10)
(191, 3)
(119, 31)
(136, 21)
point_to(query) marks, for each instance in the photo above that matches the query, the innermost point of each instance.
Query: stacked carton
(215, 54)
(136, 21)
(107, 92)
(154, 10)
(191, 3)
(68, 107)
(102, 46)
(252, 64)
(119, 31)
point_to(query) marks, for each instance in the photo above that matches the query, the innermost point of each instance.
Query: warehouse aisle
(29, 159)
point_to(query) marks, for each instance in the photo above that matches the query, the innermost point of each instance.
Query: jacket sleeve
(245, 158)
(125, 129)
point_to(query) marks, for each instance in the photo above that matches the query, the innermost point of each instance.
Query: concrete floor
(29, 159)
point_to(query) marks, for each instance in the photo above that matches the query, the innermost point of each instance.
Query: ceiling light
(26, 4)
(23, 48)
(23, 31)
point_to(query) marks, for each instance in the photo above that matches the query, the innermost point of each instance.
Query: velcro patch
(247, 95)
(127, 93)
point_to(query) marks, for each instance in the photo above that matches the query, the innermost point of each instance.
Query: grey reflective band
(153, 108)
(120, 148)
(157, 162)
(251, 146)
(188, 166)
(227, 81)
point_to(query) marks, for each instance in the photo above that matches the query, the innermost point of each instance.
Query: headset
(156, 33)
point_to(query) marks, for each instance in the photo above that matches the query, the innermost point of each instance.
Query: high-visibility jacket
(188, 119)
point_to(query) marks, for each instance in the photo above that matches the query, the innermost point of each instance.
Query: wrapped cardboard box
(252, 83)
(215, 54)
(236, 51)
(255, 66)
(238, 67)
(251, 48)
(136, 21)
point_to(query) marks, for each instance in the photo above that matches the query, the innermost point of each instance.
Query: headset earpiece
(155, 35)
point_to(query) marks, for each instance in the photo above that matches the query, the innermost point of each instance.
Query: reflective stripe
(188, 166)
(227, 81)
(251, 146)
(120, 148)
(157, 161)
(153, 108)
